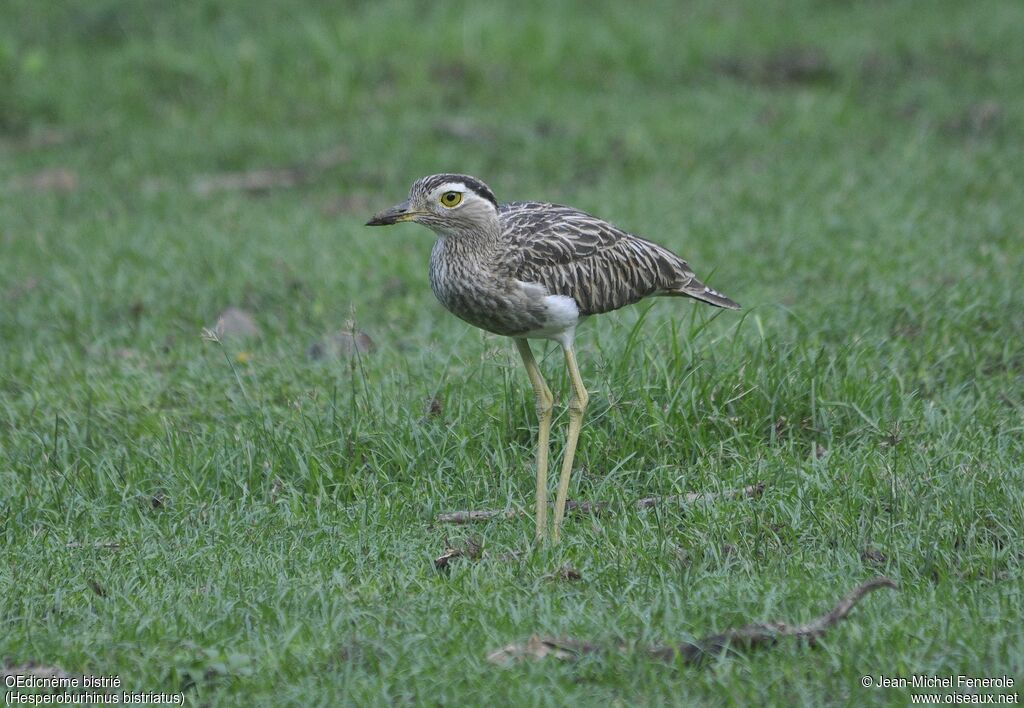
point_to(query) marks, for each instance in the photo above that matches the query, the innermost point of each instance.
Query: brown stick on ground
(107, 545)
(746, 638)
(472, 548)
(754, 636)
(466, 517)
(753, 491)
(584, 507)
(263, 180)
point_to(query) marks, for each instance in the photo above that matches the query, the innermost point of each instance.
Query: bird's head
(446, 204)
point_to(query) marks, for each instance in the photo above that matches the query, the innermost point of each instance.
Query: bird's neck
(480, 241)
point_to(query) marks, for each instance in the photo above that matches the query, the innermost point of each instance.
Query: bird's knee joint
(578, 404)
(544, 404)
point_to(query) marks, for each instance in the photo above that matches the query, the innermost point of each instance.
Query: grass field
(248, 526)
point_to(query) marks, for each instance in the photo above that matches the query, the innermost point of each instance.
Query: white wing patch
(562, 311)
(562, 314)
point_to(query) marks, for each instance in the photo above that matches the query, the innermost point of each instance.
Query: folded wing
(601, 267)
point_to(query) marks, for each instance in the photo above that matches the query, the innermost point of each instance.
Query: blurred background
(173, 159)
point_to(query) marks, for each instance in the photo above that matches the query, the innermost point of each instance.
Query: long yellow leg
(577, 405)
(544, 403)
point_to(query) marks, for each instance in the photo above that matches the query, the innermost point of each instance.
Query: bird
(535, 270)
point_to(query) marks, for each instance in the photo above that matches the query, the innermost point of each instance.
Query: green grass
(274, 518)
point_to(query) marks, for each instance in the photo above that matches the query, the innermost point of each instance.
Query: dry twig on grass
(752, 491)
(466, 517)
(60, 180)
(584, 507)
(472, 549)
(258, 181)
(33, 669)
(99, 545)
(746, 638)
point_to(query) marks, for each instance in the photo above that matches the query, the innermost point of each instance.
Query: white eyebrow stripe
(452, 187)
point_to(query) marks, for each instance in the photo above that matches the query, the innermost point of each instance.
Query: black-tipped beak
(394, 215)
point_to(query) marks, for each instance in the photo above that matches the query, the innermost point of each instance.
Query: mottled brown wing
(601, 267)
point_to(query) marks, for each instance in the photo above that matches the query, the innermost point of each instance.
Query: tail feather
(680, 280)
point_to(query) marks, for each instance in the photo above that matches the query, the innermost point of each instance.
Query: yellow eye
(451, 199)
